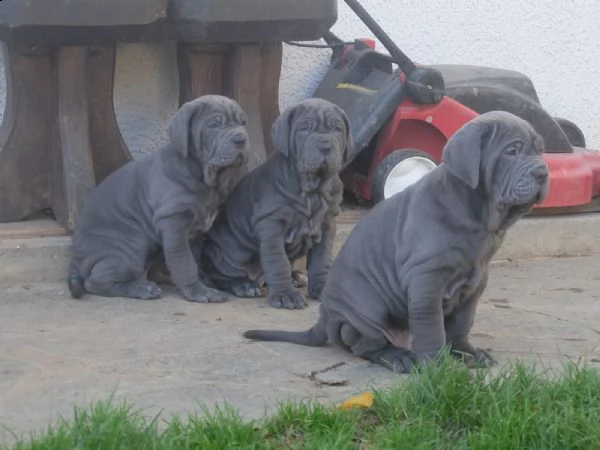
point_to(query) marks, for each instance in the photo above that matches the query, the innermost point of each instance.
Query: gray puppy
(151, 207)
(283, 210)
(417, 264)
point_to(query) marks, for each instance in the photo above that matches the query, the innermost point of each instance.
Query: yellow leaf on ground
(364, 400)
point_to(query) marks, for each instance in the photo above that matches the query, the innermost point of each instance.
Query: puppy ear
(462, 153)
(281, 132)
(179, 128)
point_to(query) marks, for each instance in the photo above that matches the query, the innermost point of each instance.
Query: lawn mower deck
(574, 175)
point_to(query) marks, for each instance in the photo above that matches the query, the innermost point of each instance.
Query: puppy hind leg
(235, 282)
(376, 349)
(112, 278)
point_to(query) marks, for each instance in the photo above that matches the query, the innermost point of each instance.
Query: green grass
(448, 407)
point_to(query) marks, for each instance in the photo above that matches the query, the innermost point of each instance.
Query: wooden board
(32, 229)
(351, 216)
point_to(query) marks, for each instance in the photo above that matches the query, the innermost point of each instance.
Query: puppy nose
(239, 142)
(325, 149)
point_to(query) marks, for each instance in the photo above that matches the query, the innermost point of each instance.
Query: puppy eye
(216, 122)
(307, 125)
(243, 120)
(515, 148)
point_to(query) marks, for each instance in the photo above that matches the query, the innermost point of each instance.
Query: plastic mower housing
(399, 139)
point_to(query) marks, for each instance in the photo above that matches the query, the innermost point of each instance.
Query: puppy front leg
(277, 268)
(458, 327)
(181, 263)
(197, 244)
(426, 316)
(318, 261)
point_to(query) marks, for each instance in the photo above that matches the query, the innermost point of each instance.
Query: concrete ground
(173, 355)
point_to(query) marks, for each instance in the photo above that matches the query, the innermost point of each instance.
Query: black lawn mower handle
(398, 56)
(423, 85)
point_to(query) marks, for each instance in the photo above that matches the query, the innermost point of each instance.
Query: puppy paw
(200, 293)
(482, 358)
(398, 360)
(246, 289)
(291, 300)
(404, 361)
(474, 358)
(315, 288)
(147, 290)
(299, 279)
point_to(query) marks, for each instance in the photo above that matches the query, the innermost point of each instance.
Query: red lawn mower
(402, 117)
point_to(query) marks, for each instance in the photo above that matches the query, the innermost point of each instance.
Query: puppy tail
(313, 337)
(75, 282)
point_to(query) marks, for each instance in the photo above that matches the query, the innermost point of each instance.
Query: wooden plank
(271, 59)
(245, 89)
(32, 229)
(73, 127)
(109, 150)
(351, 216)
(25, 134)
(201, 70)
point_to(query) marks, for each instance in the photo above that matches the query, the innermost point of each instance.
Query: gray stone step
(45, 259)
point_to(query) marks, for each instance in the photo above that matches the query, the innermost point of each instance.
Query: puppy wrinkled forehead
(318, 106)
(228, 109)
(332, 114)
(321, 114)
(218, 104)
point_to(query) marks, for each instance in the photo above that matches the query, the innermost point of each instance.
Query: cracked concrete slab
(173, 355)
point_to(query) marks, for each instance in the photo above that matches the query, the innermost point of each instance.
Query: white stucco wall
(556, 43)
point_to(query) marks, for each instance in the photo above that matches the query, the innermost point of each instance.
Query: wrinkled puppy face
(500, 154)
(211, 132)
(315, 136)
(516, 175)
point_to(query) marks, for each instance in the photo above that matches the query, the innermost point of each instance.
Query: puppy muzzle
(321, 157)
(232, 150)
(529, 185)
